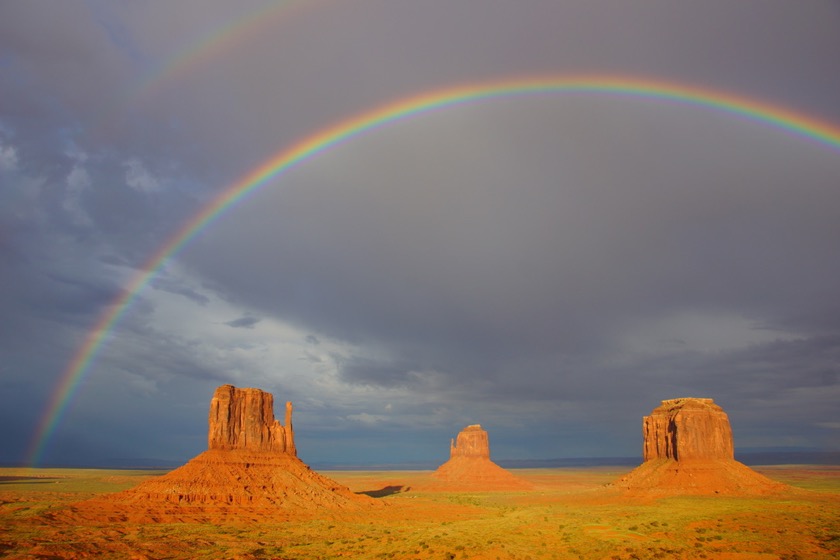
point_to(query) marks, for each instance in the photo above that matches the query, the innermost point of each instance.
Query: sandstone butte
(250, 467)
(469, 466)
(688, 449)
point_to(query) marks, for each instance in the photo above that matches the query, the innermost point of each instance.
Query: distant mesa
(251, 461)
(688, 449)
(469, 466)
(472, 441)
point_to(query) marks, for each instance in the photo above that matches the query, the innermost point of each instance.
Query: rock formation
(469, 466)
(688, 449)
(244, 419)
(683, 429)
(472, 441)
(250, 467)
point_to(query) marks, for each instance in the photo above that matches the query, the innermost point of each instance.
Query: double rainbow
(808, 128)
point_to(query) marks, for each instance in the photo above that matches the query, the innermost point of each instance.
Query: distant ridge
(747, 457)
(568, 462)
(406, 466)
(768, 457)
(789, 457)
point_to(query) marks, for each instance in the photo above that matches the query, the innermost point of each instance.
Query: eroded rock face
(469, 466)
(688, 450)
(472, 441)
(687, 428)
(244, 419)
(250, 466)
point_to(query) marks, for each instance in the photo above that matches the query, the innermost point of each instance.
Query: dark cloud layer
(246, 322)
(551, 267)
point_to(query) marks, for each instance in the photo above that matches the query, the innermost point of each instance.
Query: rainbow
(206, 47)
(199, 51)
(786, 120)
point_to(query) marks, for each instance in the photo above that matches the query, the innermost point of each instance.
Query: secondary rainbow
(203, 49)
(195, 53)
(821, 133)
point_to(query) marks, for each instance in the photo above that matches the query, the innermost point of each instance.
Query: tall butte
(469, 466)
(250, 467)
(244, 419)
(688, 449)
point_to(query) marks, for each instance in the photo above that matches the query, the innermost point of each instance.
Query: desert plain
(569, 513)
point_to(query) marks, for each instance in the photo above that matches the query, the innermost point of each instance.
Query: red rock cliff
(251, 463)
(688, 450)
(244, 419)
(472, 441)
(687, 428)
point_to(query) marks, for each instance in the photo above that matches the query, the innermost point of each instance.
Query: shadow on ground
(385, 491)
(26, 479)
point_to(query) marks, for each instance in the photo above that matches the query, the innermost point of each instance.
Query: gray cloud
(246, 322)
(177, 287)
(545, 265)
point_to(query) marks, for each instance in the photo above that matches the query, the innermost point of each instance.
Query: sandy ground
(569, 513)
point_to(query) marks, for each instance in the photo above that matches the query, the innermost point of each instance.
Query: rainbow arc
(785, 120)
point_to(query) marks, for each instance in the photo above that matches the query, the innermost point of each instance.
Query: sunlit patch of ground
(571, 513)
(609, 532)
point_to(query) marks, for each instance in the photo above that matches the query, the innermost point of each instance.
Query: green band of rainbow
(775, 116)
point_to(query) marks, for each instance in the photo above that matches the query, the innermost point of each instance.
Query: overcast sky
(549, 267)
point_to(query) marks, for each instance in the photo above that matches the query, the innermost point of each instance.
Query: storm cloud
(551, 266)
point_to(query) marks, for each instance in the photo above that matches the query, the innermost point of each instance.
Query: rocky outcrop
(244, 419)
(250, 468)
(688, 449)
(469, 466)
(472, 441)
(688, 428)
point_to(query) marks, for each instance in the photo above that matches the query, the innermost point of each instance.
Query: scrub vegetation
(571, 513)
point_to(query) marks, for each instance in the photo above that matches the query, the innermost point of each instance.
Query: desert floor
(572, 513)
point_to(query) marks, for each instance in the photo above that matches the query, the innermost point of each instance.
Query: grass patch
(567, 516)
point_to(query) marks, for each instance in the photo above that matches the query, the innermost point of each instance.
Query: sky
(549, 266)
